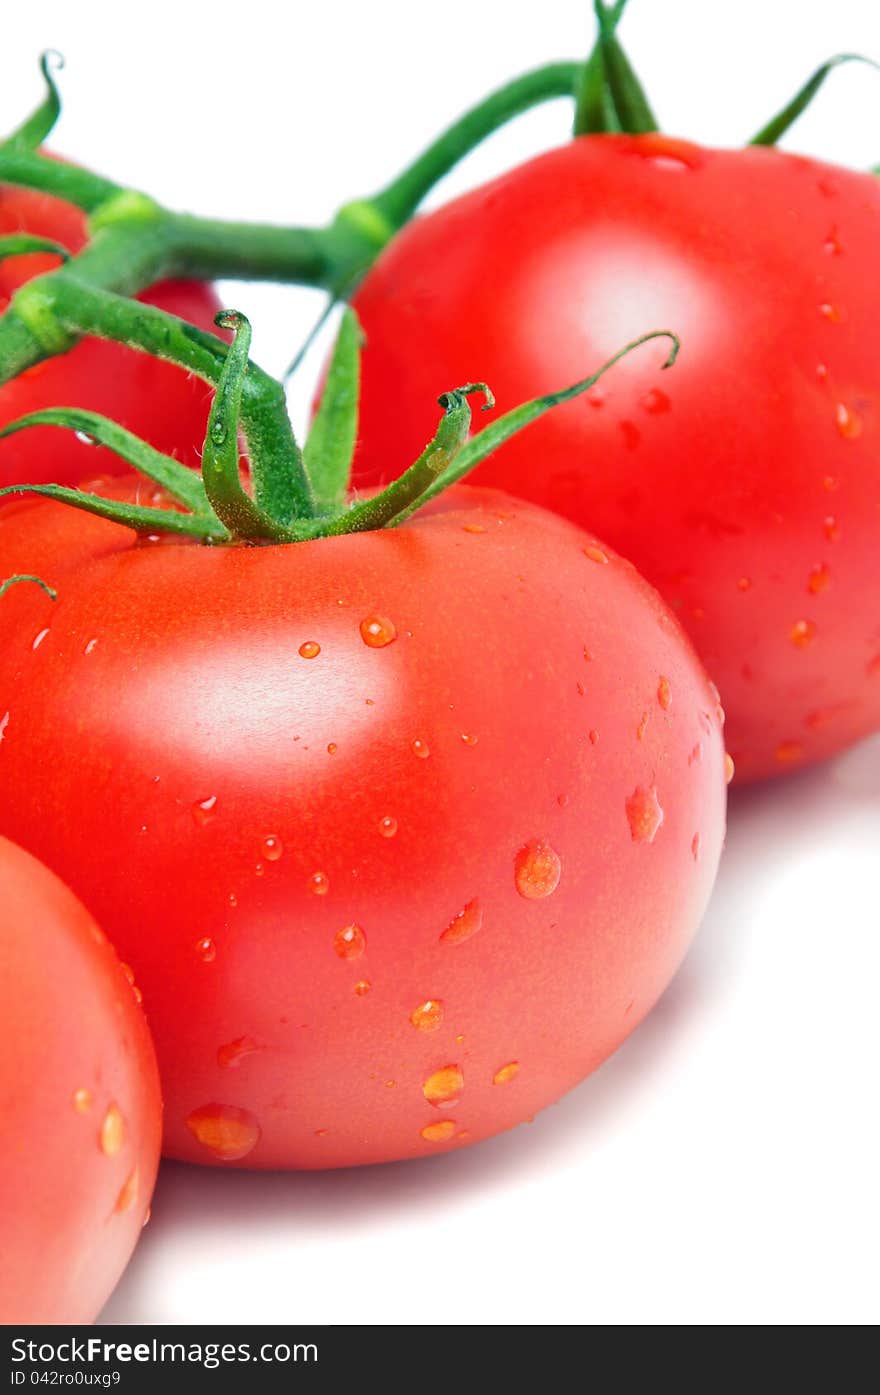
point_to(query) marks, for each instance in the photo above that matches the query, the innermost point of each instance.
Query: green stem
(37, 581)
(776, 128)
(595, 112)
(38, 125)
(626, 92)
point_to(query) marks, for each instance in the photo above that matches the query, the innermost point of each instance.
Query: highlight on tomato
(79, 1099)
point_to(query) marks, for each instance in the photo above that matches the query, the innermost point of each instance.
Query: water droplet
(82, 1100)
(664, 693)
(821, 371)
(563, 800)
(744, 583)
(350, 942)
(596, 554)
(473, 528)
(831, 528)
(440, 1132)
(695, 847)
(832, 243)
(594, 737)
(332, 748)
(321, 1133)
(818, 580)
(506, 1073)
(388, 826)
(234, 1052)
(832, 313)
(465, 924)
(206, 950)
(390, 1084)
(788, 752)
(848, 422)
(802, 633)
(631, 434)
(204, 810)
(39, 638)
(90, 647)
(319, 883)
(729, 767)
(596, 396)
(4, 723)
(224, 1130)
(362, 987)
(272, 847)
(831, 483)
(128, 1193)
(444, 1086)
(696, 754)
(309, 649)
(642, 727)
(644, 813)
(112, 1135)
(377, 631)
(232, 899)
(536, 870)
(420, 749)
(655, 401)
(468, 738)
(428, 1016)
(84, 438)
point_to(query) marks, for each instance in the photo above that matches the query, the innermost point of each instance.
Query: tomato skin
(278, 775)
(79, 1097)
(744, 482)
(156, 400)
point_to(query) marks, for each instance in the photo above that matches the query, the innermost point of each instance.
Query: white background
(723, 1166)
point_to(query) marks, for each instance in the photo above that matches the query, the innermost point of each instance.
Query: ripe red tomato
(745, 485)
(154, 399)
(79, 1098)
(402, 831)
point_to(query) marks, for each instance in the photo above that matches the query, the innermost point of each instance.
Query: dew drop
(642, 726)
(332, 748)
(90, 647)
(473, 528)
(830, 483)
(440, 1132)
(309, 649)
(420, 749)
(39, 638)
(387, 826)
(84, 438)
(644, 813)
(818, 580)
(232, 1053)
(82, 1100)
(664, 693)
(112, 1135)
(594, 737)
(319, 883)
(655, 401)
(596, 396)
(224, 1130)
(802, 633)
(596, 554)
(696, 754)
(428, 1016)
(729, 767)
(321, 1133)
(204, 810)
(506, 1073)
(350, 942)
(563, 800)
(831, 528)
(128, 1193)
(206, 950)
(272, 847)
(832, 244)
(465, 924)
(744, 583)
(695, 847)
(377, 631)
(444, 1086)
(362, 987)
(4, 723)
(848, 422)
(536, 870)
(468, 738)
(831, 313)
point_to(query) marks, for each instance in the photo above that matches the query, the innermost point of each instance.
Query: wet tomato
(79, 1098)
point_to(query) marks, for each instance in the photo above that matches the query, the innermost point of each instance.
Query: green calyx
(288, 495)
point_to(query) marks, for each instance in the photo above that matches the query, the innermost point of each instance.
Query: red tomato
(402, 831)
(79, 1099)
(745, 484)
(156, 400)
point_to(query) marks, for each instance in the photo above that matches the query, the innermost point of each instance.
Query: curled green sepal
(32, 132)
(626, 92)
(24, 244)
(221, 472)
(330, 446)
(406, 494)
(497, 432)
(595, 112)
(143, 520)
(37, 581)
(780, 123)
(182, 484)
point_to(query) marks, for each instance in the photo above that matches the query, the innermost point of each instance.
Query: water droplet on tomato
(593, 737)
(440, 1132)
(644, 814)
(696, 754)
(428, 1016)
(388, 826)
(4, 723)
(362, 987)
(832, 313)
(465, 924)
(832, 244)
(744, 583)
(82, 1100)
(596, 396)
(420, 749)
(90, 647)
(112, 1135)
(802, 633)
(537, 869)
(695, 847)
(848, 422)
(473, 528)
(506, 1073)
(224, 1130)
(642, 727)
(350, 942)
(729, 767)
(39, 638)
(377, 631)
(206, 950)
(309, 649)
(655, 401)
(128, 1193)
(831, 528)
(319, 883)
(204, 810)
(788, 752)
(468, 738)
(664, 693)
(232, 1053)
(272, 847)
(818, 580)
(443, 1086)
(332, 748)
(596, 554)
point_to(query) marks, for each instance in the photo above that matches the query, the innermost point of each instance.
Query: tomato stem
(776, 128)
(33, 131)
(595, 112)
(37, 581)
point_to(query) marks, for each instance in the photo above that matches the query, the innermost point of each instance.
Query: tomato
(745, 485)
(154, 399)
(402, 831)
(79, 1097)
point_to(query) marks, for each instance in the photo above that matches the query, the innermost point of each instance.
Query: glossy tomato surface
(402, 832)
(156, 400)
(79, 1099)
(744, 483)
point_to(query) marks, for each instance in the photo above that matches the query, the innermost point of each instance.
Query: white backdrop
(723, 1167)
